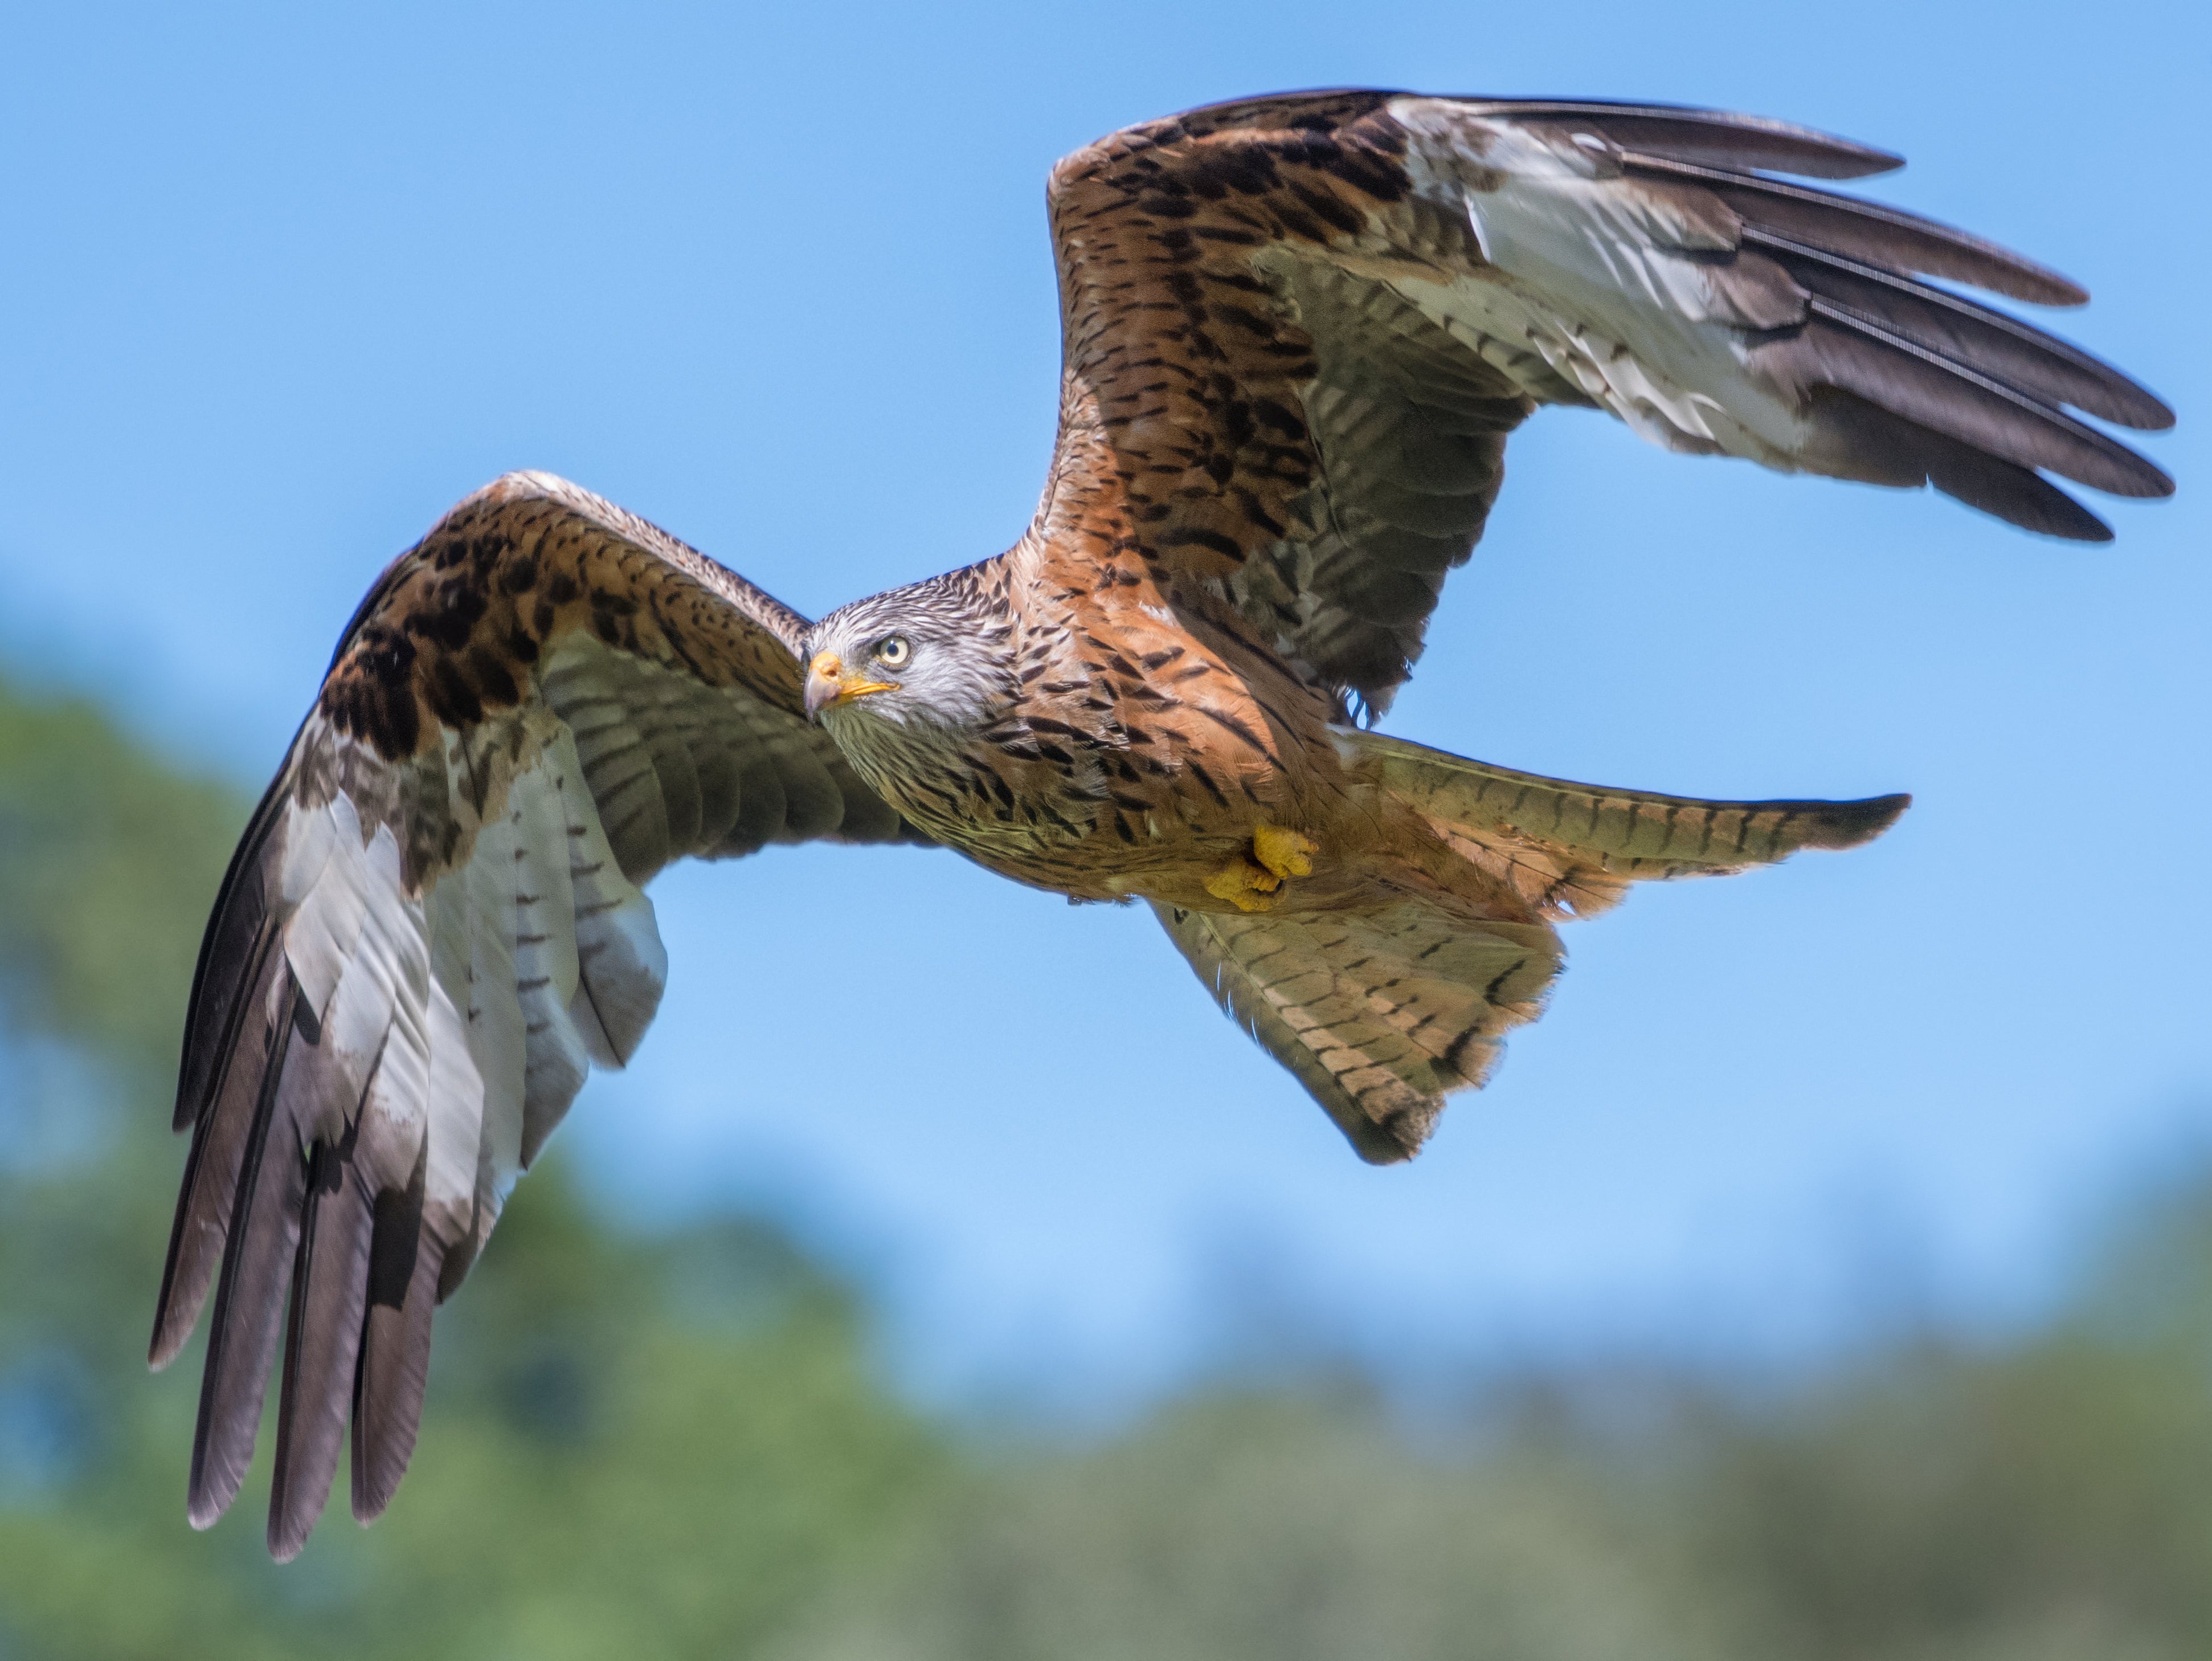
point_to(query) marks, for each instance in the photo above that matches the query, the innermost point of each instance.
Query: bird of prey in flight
(1298, 330)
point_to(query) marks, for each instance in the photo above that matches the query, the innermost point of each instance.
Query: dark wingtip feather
(404, 1261)
(2150, 413)
(1855, 439)
(1723, 137)
(2033, 503)
(2040, 284)
(249, 1299)
(1855, 354)
(1871, 231)
(2054, 370)
(221, 976)
(321, 1344)
(206, 1194)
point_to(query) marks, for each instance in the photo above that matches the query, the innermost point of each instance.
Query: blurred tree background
(679, 1445)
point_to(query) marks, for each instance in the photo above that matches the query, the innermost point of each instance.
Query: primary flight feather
(1297, 333)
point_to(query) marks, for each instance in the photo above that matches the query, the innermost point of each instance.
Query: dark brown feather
(322, 1341)
(249, 1300)
(405, 1258)
(1870, 231)
(1854, 355)
(221, 976)
(1855, 439)
(238, 1065)
(2035, 362)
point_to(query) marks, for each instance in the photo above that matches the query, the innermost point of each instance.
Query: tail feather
(1380, 1014)
(1385, 1004)
(1571, 849)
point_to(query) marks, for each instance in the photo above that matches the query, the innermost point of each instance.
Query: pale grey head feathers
(944, 649)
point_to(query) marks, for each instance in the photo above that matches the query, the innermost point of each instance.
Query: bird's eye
(893, 650)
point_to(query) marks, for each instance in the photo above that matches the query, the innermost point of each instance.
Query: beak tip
(828, 686)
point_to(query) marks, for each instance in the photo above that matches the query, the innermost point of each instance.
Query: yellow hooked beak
(828, 686)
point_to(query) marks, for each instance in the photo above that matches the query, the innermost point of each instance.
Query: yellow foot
(1286, 852)
(1250, 882)
(1247, 887)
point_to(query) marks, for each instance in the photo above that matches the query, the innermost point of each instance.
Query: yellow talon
(1244, 885)
(1249, 882)
(1286, 852)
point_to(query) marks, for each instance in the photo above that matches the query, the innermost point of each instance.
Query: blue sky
(286, 282)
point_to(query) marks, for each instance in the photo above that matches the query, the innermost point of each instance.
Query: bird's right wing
(434, 925)
(1298, 330)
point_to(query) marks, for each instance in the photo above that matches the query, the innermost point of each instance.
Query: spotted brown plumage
(1298, 331)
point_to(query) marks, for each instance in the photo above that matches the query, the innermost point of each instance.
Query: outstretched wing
(434, 925)
(1298, 329)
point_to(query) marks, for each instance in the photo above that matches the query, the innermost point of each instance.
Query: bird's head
(935, 653)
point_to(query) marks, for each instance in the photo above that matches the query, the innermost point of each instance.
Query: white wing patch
(1599, 277)
(456, 1082)
(324, 881)
(377, 972)
(468, 1017)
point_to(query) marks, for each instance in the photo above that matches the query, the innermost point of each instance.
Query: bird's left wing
(1298, 329)
(432, 927)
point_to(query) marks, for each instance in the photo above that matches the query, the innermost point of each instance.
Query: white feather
(456, 1092)
(622, 966)
(395, 1110)
(328, 884)
(374, 978)
(309, 835)
(1596, 275)
(497, 1042)
(545, 948)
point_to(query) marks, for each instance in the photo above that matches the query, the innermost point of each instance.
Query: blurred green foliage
(2050, 1503)
(630, 1447)
(677, 1446)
